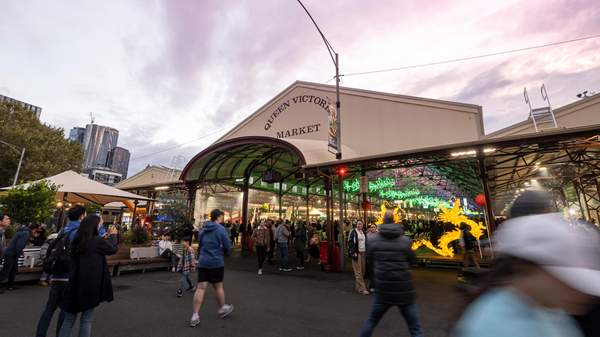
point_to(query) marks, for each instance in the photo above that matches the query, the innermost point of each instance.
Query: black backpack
(58, 256)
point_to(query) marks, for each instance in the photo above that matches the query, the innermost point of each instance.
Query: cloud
(168, 72)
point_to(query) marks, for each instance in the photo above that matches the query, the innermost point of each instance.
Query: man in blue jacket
(213, 245)
(58, 282)
(12, 253)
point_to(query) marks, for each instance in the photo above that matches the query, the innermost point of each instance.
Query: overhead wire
(551, 44)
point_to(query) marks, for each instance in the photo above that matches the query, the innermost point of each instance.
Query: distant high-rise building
(118, 161)
(97, 144)
(104, 161)
(37, 111)
(77, 134)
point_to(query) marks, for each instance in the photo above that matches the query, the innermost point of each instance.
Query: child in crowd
(185, 266)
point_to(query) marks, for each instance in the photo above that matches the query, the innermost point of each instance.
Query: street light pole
(19, 167)
(22, 153)
(335, 59)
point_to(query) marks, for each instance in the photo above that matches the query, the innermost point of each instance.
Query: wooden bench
(138, 259)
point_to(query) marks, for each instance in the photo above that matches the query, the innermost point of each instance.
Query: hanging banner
(332, 134)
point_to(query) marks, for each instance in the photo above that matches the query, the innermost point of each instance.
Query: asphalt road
(300, 303)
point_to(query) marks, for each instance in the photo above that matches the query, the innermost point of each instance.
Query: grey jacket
(282, 234)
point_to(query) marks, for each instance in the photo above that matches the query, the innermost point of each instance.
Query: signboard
(332, 142)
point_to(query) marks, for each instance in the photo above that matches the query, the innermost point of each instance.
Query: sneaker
(299, 268)
(179, 293)
(287, 269)
(225, 310)
(280, 269)
(43, 283)
(260, 272)
(194, 322)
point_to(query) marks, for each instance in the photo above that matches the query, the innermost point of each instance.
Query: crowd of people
(511, 300)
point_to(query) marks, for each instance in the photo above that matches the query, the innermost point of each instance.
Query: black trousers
(261, 251)
(9, 271)
(271, 252)
(300, 256)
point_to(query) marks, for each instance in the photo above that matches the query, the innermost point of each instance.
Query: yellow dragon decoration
(454, 216)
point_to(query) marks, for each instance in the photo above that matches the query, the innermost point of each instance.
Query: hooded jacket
(390, 256)
(213, 245)
(18, 242)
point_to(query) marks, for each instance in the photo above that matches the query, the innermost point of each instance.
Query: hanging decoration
(480, 200)
(456, 217)
(353, 185)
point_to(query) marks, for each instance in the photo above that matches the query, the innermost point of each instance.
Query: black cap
(215, 214)
(531, 203)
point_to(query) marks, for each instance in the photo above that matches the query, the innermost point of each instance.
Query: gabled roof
(151, 175)
(464, 107)
(558, 112)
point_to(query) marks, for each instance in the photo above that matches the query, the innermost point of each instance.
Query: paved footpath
(300, 303)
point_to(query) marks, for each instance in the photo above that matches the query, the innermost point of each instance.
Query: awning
(75, 188)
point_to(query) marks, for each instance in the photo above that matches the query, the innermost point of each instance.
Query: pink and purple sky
(169, 73)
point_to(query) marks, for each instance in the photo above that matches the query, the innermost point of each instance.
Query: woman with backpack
(90, 281)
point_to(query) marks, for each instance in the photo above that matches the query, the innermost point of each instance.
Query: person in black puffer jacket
(390, 256)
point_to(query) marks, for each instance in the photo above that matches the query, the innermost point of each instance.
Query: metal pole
(19, 167)
(245, 191)
(280, 201)
(338, 155)
(486, 190)
(341, 224)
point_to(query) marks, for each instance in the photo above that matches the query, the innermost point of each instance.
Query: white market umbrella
(75, 188)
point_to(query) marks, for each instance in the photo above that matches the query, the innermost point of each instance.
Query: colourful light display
(454, 216)
(353, 185)
(397, 216)
(398, 195)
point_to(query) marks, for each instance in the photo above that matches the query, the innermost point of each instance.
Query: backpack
(58, 256)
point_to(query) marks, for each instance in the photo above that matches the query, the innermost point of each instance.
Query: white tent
(75, 188)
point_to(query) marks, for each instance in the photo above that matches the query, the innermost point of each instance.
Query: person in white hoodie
(165, 250)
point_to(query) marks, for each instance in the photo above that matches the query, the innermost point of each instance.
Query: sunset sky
(174, 75)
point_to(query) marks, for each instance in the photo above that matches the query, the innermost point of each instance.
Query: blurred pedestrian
(234, 233)
(546, 268)
(262, 240)
(186, 264)
(467, 242)
(357, 247)
(313, 248)
(272, 241)
(300, 239)
(13, 251)
(58, 264)
(213, 245)
(282, 235)
(389, 255)
(4, 223)
(90, 280)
